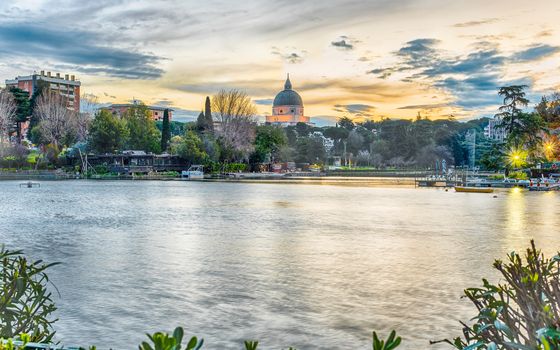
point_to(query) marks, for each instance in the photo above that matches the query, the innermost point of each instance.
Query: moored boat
(473, 189)
(195, 172)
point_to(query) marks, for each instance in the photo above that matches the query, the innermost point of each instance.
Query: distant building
(328, 143)
(156, 112)
(287, 108)
(493, 131)
(66, 86)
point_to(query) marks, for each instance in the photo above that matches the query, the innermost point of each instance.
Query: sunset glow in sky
(363, 59)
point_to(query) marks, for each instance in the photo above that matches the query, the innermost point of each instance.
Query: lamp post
(345, 156)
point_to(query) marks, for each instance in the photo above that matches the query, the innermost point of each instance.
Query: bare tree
(89, 105)
(57, 123)
(7, 114)
(235, 113)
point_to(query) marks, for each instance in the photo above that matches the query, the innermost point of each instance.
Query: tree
(191, 148)
(310, 149)
(8, 113)
(205, 122)
(235, 113)
(209, 121)
(346, 123)
(23, 112)
(57, 123)
(108, 132)
(337, 134)
(143, 133)
(42, 86)
(549, 109)
(355, 142)
(269, 139)
(429, 154)
(511, 115)
(200, 123)
(89, 105)
(165, 131)
(493, 159)
(303, 129)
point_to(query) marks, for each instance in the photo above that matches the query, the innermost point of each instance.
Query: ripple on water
(286, 264)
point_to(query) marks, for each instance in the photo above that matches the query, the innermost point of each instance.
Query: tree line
(227, 132)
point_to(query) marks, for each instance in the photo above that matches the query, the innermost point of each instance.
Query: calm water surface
(315, 267)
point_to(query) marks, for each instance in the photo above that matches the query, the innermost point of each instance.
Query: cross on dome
(288, 84)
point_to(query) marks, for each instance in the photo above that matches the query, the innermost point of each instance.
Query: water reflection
(288, 264)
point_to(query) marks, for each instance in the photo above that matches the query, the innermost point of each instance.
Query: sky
(354, 58)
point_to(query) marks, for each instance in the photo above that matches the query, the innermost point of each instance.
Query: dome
(287, 97)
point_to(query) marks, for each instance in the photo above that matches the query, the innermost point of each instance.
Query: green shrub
(234, 167)
(25, 303)
(163, 341)
(522, 312)
(518, 175)
(496, 177)
(16, 343)
(101, 169)
(391, 343)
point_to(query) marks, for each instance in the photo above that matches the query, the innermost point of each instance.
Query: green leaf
(178, 335)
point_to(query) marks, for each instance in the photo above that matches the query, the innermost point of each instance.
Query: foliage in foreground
(25, 303)
(19, 342)
(164, 341)
(522, 312)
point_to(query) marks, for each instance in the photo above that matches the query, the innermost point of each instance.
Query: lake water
(309, 266)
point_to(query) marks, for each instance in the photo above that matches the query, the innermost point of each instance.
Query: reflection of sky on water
(288, 264)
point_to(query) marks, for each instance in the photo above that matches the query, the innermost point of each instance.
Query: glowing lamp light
(517, 158)
(549, 149)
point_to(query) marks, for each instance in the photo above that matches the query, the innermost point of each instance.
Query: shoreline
(369, 181)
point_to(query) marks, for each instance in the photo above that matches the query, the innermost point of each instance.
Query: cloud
(471, 80)
(78, 50)
(544, 34)
(475, 62)
(184, 115)
(291, 56)
(536, 53)
(264, 102)
(163, 103)
(382, 73)
(251, 87)
(427, 106)
(476, 23)
(357, 109)
(324, 120)
(418, 53)
(342, 44)
(345, 43)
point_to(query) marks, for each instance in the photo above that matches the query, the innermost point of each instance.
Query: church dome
(287, 97)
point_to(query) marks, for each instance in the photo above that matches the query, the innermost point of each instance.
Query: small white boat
(195, 172)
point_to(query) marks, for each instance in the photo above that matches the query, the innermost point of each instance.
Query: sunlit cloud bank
(346, 57)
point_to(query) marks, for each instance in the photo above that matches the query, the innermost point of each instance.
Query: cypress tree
(201, 122)
(33, 120)
(23, 108)
(208, 116)
(165, 131)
